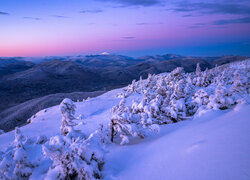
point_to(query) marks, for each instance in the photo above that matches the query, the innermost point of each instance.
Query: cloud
(212, 8)
(145, 23)
(197, 25)
(4, 13)
(32, 18)
(187, 15)
(128, 37)
(134, 2)
(142, 24)
(63, 17)
(92, 11)
(244, 20)
(193, 27)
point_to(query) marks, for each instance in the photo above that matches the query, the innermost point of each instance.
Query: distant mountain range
(23, 79)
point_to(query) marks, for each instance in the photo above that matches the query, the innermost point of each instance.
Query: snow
(105, 53)
(212, 144)
(48, 123)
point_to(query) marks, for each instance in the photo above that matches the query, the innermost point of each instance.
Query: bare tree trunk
(112, 131)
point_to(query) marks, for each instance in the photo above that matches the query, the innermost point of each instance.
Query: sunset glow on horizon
(129, 27)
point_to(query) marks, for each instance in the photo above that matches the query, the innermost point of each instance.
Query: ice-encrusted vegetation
(73, 152)
(178, 96)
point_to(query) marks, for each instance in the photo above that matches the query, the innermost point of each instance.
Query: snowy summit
(105, 53)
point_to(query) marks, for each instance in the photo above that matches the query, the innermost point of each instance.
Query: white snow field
(211, 144)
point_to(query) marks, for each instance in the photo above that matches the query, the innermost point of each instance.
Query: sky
(128, 27)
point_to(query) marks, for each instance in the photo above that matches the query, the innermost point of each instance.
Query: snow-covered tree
(150, 81)
(141, 85)
(73, 156)
(190, 78)
(74, 159)
(201, 97)
(7, 165)
(104, 133)
(201, 78)
(176, 109)
(67, 108)
(23, 168)
(176, 75)
(222, 98)
(206, 78)
(161, 86)
(134, 122)
(198, 70)
(240, 83)
(120, 122)
(199, 100)
(16, 163)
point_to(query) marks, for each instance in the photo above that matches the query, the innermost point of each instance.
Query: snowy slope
(94, 111)
(49, 122)
(213, 144)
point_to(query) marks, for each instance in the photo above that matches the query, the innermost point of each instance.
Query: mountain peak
(105, 53)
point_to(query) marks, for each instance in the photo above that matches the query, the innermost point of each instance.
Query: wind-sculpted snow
(80, 140)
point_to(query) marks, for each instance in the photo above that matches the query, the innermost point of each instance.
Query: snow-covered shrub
(206, 78)
(202, 79)
(16, 162)
(1, 131)
(200, 98)
(23, 167)
(104, 133)
(126, 122)
(221, 99)
(240, 83)
(164, 101)
(161, 87)
(7, 166)
(176, 108)
(120, 122)
(72, 154)
(80, 158)
(134, 87)
(178, 96)
(198, 74)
